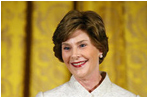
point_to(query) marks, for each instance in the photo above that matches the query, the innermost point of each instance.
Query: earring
(101, 56)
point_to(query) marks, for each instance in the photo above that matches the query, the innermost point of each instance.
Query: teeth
(78, 63)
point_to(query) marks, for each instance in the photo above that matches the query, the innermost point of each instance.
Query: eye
(82, 45)
(66, 48)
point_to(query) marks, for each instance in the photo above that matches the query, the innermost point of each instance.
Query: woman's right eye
(66, 48)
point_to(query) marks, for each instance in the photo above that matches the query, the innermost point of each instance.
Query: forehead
(78, 35)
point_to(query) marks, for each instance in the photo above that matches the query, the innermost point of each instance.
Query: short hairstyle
(88, 21)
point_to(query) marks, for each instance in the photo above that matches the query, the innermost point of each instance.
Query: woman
(81, 43)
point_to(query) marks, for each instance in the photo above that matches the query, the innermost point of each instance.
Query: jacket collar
(99, 91)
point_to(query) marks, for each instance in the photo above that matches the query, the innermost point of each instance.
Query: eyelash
(68, 48)
(82, 45)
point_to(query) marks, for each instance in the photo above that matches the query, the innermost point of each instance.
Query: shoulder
(119, 91)
(56, 92)
(111, 89)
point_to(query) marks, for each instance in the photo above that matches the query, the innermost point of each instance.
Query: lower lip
(78, 66)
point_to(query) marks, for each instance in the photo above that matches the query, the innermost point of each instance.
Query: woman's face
(80, 55)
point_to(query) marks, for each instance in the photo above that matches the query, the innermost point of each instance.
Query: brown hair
(88, 21)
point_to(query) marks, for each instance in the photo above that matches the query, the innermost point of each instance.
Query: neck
(90, 82)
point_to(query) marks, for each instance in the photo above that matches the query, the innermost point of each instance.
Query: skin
(82, 59)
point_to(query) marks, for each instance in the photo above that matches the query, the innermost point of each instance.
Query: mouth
(78, 64)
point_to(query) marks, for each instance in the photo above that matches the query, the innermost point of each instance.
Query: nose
(75, 54)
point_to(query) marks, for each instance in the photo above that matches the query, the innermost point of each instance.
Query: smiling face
(80, 55)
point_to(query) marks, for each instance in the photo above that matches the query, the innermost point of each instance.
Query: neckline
(99, 90)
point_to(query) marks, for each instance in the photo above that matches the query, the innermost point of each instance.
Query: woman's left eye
(82, 45)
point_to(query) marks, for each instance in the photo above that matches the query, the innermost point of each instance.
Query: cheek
(93, 53)
(65, 57)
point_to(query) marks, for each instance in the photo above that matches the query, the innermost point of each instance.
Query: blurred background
(28, 64)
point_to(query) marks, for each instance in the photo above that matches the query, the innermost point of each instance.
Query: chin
(79, 74)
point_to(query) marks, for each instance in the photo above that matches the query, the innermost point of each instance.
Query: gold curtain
(12, 47)
(126, 61)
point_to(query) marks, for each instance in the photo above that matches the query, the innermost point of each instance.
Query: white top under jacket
(73, 88)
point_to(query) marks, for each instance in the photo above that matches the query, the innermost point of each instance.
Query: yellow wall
(126, 27)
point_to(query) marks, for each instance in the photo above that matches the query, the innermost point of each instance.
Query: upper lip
(78, 62)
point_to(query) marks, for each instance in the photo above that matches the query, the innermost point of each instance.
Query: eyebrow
(64, 43)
